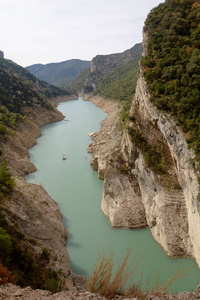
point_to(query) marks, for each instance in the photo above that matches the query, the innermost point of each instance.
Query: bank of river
(74, 185)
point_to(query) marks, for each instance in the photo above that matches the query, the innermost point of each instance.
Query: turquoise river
(74, 185)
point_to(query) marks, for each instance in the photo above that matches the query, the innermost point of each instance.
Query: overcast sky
(44, 31)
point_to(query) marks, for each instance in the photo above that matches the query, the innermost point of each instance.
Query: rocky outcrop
(39, 218)
(118, 202)
(150, 178)
(173, 209)
(11, 292)
(161, 195)
(15, 148)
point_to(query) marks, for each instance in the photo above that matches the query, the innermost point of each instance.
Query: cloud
(55, 30)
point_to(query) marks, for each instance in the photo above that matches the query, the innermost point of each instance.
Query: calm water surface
(74, 185)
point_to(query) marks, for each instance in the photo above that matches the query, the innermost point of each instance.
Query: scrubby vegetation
(41, 86)
(120, 84)
(79, 82)
(60, 74)
(172, 65)
(6, 181)
(21, 260)
(20, 263)
(15, 94)
(152, 155)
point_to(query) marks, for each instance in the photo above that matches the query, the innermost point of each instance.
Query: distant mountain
(104, 64)
(41, 86)
(60, 74)
(112, 76)
(16, 94)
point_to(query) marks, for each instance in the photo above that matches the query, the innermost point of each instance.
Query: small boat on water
(64, 157)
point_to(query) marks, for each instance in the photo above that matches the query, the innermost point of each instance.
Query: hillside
(119, 84)
(27, 256)
(112, 76)
(172, 64)
(41, 86)
(59, 74)
(78, 83)
(104, 64)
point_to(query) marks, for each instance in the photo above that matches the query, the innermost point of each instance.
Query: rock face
(163, 194)
(118, 202)
(29, 206)
(173, 215)
(39, 218)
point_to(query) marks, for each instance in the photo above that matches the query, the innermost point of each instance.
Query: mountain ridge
(60, 74)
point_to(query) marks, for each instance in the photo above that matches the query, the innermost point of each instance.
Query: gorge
(78, 192)
(147, 152)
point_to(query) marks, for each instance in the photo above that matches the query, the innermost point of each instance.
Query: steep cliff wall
(170, 208)
(150, 180)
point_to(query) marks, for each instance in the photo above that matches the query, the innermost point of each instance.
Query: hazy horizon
(41, 31)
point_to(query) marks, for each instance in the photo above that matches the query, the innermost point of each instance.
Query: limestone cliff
(149, 178)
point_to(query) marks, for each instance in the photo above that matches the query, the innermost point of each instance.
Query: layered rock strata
(172, 210)
(162, 194)
(118, 202)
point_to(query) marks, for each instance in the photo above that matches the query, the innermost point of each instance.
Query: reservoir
(74, 185)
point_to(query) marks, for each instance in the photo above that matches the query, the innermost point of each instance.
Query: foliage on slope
(120, 84)
(79, 82)
(41, 86)
(113, 76)
(15, 96)
(104, 64)
(20, 263)
(172, 65)
(60, 74)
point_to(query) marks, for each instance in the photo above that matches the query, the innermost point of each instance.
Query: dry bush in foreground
(6, 276)
(109, 283)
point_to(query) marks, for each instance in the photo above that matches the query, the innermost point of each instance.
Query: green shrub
(45, 255)
(172, 66)
(6, 181)
(54, 285)
(5, 244)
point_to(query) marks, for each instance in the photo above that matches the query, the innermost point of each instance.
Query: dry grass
(109, 283)
(6, 276)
